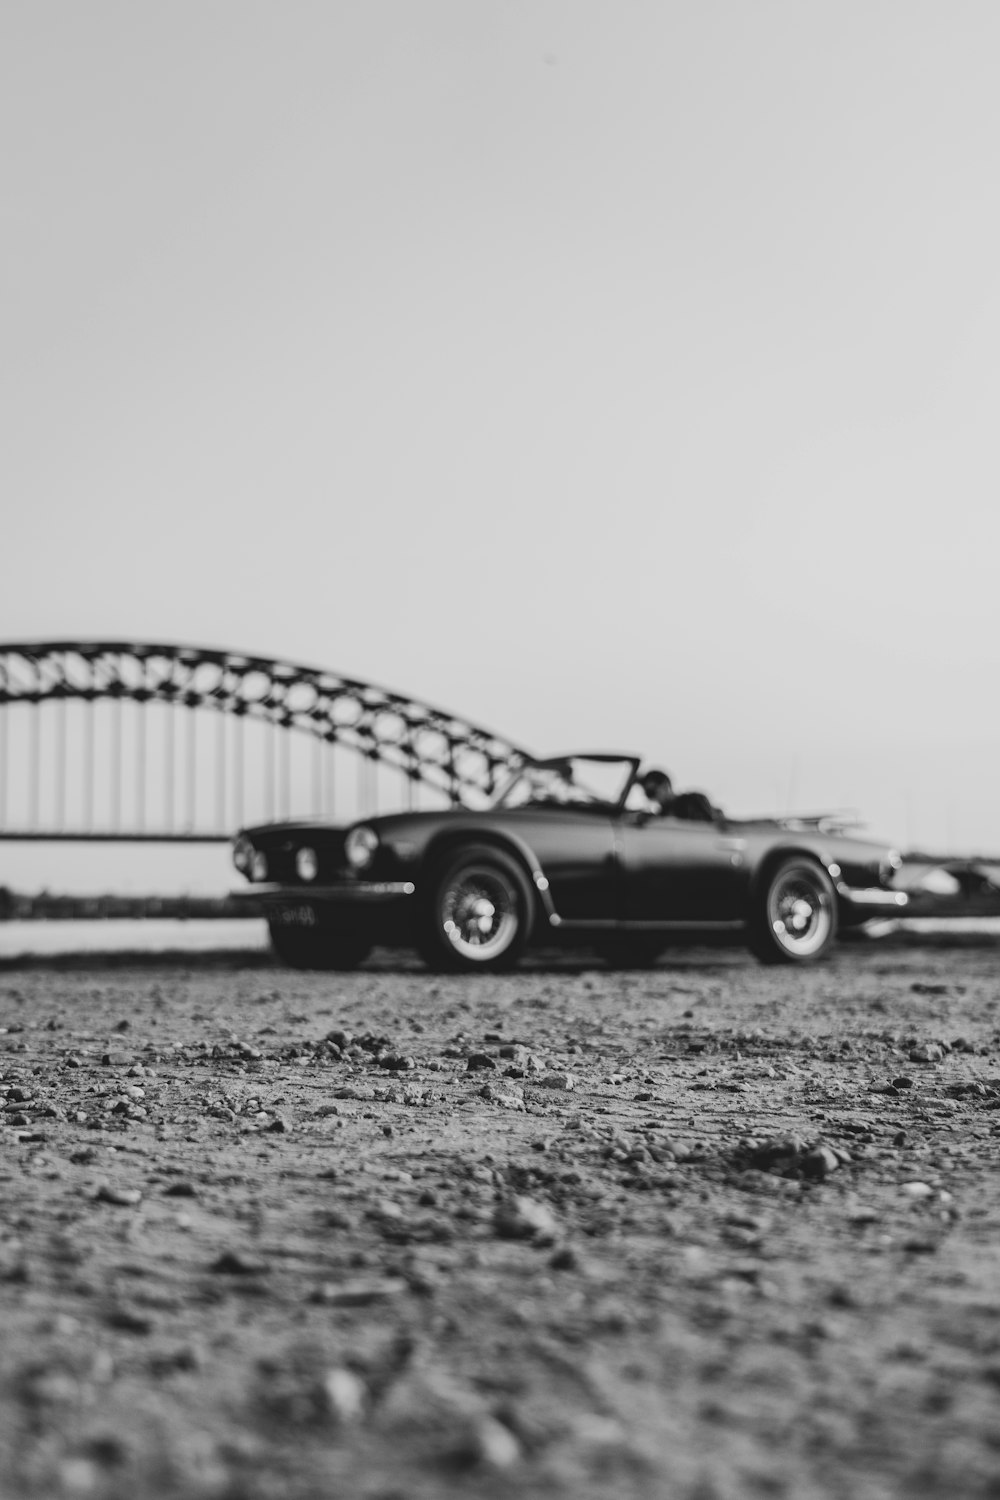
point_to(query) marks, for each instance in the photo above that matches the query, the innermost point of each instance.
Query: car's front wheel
(479, 913)
(309, 949)
(794, 919)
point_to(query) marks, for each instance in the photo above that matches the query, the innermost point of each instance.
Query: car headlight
(258, 866)
(360, 846)
(306, 863)
(242, 853)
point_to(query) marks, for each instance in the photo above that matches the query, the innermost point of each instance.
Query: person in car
(664, 801)
(658, 790)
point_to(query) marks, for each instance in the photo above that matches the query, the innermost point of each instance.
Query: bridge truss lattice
(112, 740)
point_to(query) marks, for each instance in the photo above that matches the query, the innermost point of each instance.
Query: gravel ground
(707, 1232)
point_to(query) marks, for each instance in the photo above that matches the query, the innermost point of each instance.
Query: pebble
(120, 1197)
(232, 1263)
(917, 1190)
(359, 1293)
(129, 1320)
(820, 1162)
(491, 1444)
(345, 1395)
(523, 1218)
(503, 1095)
(926, 1053)
(558, 1081)
(479, 1060)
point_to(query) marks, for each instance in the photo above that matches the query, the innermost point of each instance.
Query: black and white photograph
(499, 739)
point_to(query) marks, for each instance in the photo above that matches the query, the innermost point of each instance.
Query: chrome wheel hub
(799, 912)
(479, 914)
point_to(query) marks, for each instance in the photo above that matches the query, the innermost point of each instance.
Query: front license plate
(294, 916)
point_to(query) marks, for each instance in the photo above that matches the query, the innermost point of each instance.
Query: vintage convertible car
(570, 850)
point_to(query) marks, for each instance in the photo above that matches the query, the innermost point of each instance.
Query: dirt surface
(703, 1232)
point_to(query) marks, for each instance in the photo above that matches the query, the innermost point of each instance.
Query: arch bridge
(141, 741)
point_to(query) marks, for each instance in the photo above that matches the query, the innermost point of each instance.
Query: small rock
(558, 1081)
(492, 1444)
(359, 1293)
(917, 1190)
(345, 1395)
(129, 1320)
(278, 1126)
(902, 1082)
(231, 1263)
(397, 1063)
(478, 1061)
(523, 1218)
(819, 1163)
(120, 1197)
(926, 1053)
(503, 1095)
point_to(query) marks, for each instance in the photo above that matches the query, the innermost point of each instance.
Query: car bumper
(363, 891)
(875, 899)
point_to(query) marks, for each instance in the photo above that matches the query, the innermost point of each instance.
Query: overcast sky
(617, 373)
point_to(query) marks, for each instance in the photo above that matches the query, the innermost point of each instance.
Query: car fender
(773, 858)
(510, 843)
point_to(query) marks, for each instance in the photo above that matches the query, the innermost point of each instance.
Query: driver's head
(658, 788)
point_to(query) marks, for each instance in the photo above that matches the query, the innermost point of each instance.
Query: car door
(577, 850)
(675, 870)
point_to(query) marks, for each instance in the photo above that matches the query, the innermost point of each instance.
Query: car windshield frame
(560, 767)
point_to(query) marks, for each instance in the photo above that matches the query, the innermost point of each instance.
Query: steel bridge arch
(427, 744)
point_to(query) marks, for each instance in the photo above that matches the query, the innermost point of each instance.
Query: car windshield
(570, 781)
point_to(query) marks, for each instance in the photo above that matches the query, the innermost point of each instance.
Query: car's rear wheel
(794, 920)
(479, 914)
(309, 949)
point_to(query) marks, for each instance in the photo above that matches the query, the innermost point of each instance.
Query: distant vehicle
(569, 851)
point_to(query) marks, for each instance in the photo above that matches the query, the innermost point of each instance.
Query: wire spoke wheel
(480, 913)
(797, 920)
